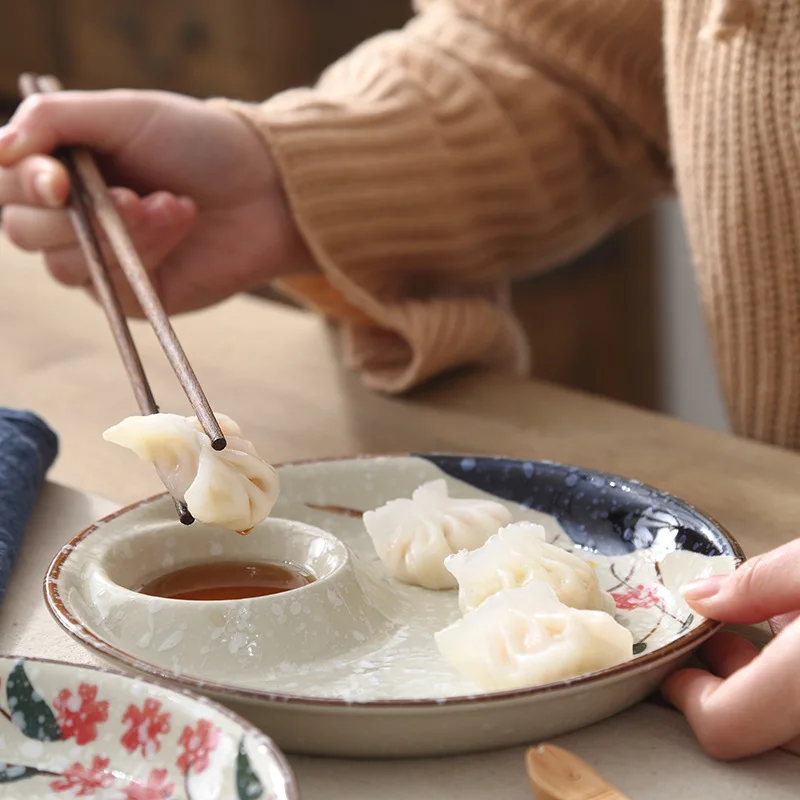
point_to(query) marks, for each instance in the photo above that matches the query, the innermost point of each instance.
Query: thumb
(103, 121)
(763, 587)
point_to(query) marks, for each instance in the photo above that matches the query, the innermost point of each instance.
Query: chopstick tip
(220, 443)
(184, 515)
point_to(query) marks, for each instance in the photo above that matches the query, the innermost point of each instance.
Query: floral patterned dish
(348, 665)
(69, 731)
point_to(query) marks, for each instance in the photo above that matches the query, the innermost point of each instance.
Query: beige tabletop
(275, 370)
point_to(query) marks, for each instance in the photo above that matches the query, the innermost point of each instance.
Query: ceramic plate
(348, 665)
(71, 731)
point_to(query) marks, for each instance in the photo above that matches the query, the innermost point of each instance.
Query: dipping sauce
(228, 580)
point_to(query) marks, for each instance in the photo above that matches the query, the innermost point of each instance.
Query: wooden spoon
(557, 774)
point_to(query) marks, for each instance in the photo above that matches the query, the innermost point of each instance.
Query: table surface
(275, 370)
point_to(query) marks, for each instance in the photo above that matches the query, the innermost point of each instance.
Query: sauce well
(227, 580)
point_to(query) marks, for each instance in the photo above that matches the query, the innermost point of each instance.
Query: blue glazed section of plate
(601, 512)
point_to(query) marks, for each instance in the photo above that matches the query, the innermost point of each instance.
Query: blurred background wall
(622, 321)
(689, 387)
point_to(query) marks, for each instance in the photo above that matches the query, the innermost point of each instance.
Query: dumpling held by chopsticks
(232, 488)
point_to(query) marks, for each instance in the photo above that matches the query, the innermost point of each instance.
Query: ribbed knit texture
(487, 139)
(734, 98)
(495, 138)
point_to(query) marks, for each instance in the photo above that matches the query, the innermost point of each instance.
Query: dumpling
(518, 554)
(526, 637)
(232, 488)
(412, 537)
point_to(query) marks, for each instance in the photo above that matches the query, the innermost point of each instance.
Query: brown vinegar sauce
(227, 580)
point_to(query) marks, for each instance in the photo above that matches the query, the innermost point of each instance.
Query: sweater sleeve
(734, 93)
(486, 140)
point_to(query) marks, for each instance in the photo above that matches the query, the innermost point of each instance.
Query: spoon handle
(558, 774)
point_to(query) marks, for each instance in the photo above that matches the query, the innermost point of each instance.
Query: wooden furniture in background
(592, 324)
(244, 48)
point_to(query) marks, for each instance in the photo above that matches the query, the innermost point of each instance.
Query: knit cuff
(400, 325)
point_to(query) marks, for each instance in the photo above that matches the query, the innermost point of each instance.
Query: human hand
(749, 700)
(195, 186)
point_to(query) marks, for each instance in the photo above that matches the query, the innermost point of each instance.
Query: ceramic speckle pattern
(242, 639)
(356, 642)
(70, 731)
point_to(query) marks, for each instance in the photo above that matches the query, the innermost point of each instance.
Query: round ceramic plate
(348, 665)
(71, 731)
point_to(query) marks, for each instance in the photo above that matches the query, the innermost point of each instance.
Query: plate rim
(247, 727)
(78, 631)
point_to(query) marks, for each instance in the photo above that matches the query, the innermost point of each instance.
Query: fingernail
(10, 140)
(43, 184)
(703, 589)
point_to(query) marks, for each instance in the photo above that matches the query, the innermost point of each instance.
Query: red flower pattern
(156, 788)
(197, 746)
(83, 781)
(639, 596)
(146, 725)
(79, 714)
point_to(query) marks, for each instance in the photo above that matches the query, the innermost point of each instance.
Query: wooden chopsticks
(89, 197)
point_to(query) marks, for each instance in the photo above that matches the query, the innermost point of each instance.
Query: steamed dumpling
(232, 488)
(412, 537)
(517, 555)
(526, 636)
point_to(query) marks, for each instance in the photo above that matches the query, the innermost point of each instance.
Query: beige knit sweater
(493, 138)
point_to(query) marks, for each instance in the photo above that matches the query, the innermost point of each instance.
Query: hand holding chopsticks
(90, 197)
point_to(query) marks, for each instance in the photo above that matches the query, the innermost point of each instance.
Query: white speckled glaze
(348, 665)
(239, 639)
(69, 731)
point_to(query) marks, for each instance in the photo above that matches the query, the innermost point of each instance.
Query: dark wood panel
(592, 324)
(200, 47)
(244, 48)
(338, 27)
(29, 40)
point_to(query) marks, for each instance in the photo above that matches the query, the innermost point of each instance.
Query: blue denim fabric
(27, 450)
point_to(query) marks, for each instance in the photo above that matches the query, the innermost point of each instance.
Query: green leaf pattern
(247, 782)
(34, 718)
(11, 773)
(29, 712)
